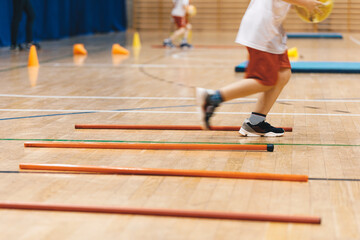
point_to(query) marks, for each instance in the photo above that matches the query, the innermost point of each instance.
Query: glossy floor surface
(156, 86)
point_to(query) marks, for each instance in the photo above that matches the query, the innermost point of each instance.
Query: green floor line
(124, 141)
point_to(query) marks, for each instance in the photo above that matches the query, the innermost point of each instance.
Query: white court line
(173, 98)
(180, 56)
(172, 112)
(354, 40)
(94, 97)
(106, 64)
(96, 65)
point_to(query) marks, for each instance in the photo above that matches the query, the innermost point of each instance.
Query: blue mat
(315, 35)
(316, 67)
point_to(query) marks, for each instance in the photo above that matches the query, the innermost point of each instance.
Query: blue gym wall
(57, 19)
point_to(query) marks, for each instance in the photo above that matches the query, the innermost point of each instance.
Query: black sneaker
(168, 44)
(261, 129)
(16, 47)
(186, 45)
(206, 110)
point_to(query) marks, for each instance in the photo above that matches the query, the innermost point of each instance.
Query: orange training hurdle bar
(163, 127)
(152, 146)
(162, 212)
(163, 172)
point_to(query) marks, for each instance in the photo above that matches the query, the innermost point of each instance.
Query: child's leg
(186, 33)
(184, 42)
(178, 33)
(181, 29)
(188, 29)
(267, 99)
(263, 67)
(208, 100)
(168, 42)
(242, 88)
(256, 125)
(264, 76)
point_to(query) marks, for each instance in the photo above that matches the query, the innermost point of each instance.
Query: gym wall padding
(56, 19)
(315, 35)
(316, 67)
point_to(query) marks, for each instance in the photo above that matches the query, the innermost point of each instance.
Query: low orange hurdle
(162, 172)
(151, 146)
(162, 127)
(161, 212)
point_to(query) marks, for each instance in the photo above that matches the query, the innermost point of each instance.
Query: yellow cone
(117, 49)
(33, 58)
(79, 49)
(136, 40)
(293, 52)
(33, 75)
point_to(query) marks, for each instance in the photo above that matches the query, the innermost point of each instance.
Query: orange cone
(33, 58)
(117, 49)
(79, 49)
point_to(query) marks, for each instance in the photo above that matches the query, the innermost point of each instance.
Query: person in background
(179, 15)
(20, 6)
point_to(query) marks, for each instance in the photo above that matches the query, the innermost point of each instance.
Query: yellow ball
(191, 10)
(325, 9)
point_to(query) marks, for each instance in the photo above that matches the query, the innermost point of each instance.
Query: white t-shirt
(179, 9)
(261, 27)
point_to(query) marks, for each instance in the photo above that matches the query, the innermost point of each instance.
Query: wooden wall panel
(225, 15)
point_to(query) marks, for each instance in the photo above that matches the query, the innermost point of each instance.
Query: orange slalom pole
(163, 172)
(162, 212)
(152, 146)
(162, 127)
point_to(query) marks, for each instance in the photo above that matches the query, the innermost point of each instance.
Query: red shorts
(264, 66)
(180, 21)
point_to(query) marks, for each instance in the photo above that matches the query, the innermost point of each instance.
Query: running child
(268, 70)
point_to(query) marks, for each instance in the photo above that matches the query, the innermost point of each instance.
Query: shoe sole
(245, 133)
(201, 95)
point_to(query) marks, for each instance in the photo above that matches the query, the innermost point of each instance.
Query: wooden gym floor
(155, 86)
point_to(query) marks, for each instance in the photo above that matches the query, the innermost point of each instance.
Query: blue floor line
(48, 115)
(64, 114)
(130, 109)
